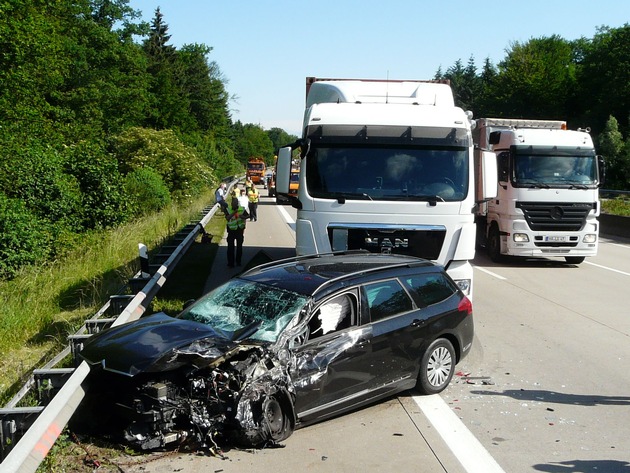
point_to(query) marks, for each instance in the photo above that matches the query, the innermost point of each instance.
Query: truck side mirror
(283, 170)
(486, 175)
(601, 167)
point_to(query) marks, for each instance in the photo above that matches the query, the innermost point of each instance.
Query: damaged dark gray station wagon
(278, 347)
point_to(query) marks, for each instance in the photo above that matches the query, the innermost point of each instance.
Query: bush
(180, 167)
(146, 191)
(23, 238)
(103, 200)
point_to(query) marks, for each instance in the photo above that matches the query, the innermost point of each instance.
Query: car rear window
(386, 298)
(428, 289)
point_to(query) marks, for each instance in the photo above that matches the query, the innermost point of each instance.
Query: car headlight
(520, 237)
(590, 238)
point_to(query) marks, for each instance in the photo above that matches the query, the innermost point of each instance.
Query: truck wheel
(574, 259)
(493, 245)
(436, 367)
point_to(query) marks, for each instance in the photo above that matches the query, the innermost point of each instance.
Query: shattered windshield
(546, 171)
(388, 173)
(239, 304)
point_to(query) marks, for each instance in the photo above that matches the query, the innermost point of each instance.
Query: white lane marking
(464, 445)
(495, 275)
(285, 215)
(607, 268)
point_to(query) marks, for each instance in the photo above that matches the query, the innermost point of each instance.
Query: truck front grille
(420, 243)
(554, 216)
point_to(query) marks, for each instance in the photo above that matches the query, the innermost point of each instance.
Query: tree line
(102, 120)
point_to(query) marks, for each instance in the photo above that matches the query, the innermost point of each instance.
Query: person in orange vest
(253, 196)
(236, 221)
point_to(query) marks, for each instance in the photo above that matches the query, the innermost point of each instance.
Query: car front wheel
(436, 367)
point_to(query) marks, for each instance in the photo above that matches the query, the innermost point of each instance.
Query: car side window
(386, 298)
(333, 315)
(428, 289)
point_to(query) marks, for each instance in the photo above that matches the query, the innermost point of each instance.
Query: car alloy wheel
(437, 366)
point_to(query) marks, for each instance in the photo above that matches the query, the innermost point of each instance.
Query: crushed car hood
(154, 343)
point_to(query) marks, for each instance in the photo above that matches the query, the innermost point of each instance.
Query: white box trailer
(548, 182)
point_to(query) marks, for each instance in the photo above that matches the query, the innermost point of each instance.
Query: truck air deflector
(418, 135)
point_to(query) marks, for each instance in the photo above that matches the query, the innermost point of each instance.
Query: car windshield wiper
(577, 186)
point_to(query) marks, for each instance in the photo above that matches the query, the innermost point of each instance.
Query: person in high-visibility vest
(236, 220)
(253, 196)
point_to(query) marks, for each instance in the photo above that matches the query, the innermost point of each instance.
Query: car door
(330, 373)
(397, 335)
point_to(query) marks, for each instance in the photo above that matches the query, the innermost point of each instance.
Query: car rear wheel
(436, 367)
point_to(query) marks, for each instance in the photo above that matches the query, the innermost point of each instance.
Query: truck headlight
(520, 237)
(590, 238)
(464, 285)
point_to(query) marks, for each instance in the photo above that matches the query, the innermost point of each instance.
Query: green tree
(279, 138)
(251, 140)
(169, 105)
(202, 84)
(535, 80)
(604, 78)
(611, 145)
(465, 83)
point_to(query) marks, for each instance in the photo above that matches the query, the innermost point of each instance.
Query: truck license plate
(555, 238)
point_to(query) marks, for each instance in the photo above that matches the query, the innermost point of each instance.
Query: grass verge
(42, 306)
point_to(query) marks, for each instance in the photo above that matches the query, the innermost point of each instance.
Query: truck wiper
(425, 198)
(342, 196)
(537, 185)
(577, 186)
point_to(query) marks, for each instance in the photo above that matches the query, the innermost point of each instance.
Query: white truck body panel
(547, 197)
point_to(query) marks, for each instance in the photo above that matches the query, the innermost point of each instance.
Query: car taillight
(465, 305)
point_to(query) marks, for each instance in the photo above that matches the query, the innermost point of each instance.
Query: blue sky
(266, 49)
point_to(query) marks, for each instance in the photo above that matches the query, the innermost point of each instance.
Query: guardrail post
(144, 260)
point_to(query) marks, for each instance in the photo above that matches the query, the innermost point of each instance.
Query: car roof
(311, 274)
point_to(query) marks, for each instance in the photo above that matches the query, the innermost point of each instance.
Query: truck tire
(493, 245)
(574, 259)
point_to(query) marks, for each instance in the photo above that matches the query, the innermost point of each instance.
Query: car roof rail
(376, 269)
(304, 258)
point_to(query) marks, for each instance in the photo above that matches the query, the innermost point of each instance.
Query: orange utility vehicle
(256, 170)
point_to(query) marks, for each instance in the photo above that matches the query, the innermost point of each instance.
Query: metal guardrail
(40, 426)
(609, 193)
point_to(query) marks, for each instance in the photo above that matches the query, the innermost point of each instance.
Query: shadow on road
(559, 398)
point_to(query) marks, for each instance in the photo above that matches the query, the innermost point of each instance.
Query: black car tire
(436, 367)
(275, 417)
(277, 421)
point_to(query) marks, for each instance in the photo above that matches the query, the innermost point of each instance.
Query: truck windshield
(387, 173)
(554, 171)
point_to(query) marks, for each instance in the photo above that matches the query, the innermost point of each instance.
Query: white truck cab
(547, 200)
(388, 167)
